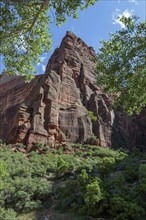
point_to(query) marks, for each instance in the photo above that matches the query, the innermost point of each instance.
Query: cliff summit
(54, 107)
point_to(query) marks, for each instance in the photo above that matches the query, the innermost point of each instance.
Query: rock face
(54, 107)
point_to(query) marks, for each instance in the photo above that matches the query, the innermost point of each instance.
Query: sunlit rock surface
(54, 107)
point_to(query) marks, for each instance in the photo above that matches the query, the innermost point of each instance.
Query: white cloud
(117, 16)
(42, 58)
(133, 1)
(43, 67)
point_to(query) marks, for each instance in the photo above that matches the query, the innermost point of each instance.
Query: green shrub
(121, 209)
(92, 140)
(92, 116)
(106, 165)
(92, 197)
(119, 193)
(142, 177)
(20, 145)
(3, 170)
(43, 165)
(60, 150)
(142, 171)
(62, 167)
(76, 145)
(39, 145)
(8, 214)
(83, 177)
(26, 193)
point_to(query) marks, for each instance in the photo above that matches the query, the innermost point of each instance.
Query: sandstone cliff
(54, 107)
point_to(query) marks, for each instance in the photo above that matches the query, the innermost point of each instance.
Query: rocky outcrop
(129, 131)
(54, 107)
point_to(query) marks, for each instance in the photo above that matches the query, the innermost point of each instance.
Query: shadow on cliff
(129, 131)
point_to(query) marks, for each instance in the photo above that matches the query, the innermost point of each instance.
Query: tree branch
(37, 14)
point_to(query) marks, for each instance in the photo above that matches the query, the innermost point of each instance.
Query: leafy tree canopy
(121, 67)
(25, 30)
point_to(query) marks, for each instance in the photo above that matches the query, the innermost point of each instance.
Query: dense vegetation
(84, 179)
(121, 67)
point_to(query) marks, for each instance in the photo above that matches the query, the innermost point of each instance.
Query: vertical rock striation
(54, 107)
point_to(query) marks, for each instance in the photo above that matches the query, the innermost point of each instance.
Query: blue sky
(94, 24)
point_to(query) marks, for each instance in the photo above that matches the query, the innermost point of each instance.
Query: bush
(121, 209)
(106, 165)
(92, 197)
(20, 145)
(93, 140)
(92, 116)
(62, 167)
(119, 193)
(26, 193)
(7, 214)
(142, 177)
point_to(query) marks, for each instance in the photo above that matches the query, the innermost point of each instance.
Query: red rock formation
(54, 106)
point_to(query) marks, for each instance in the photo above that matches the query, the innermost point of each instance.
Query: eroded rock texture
(54, 107)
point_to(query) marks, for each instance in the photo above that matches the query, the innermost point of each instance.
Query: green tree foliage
(92, 196)
(25, 30)
(121, 68)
